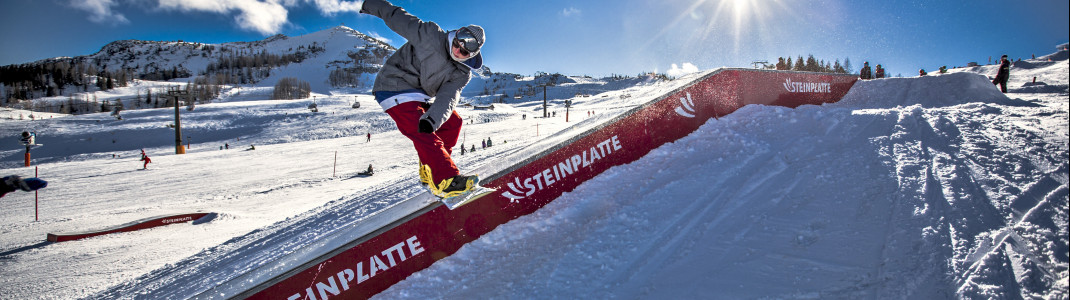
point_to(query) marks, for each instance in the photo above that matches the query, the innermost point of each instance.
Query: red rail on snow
(132, 226)
(390, 254)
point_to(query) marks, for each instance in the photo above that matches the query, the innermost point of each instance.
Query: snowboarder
(1003, 75)
(921, 72)
(369, 137)
(865, 73)
(419, 86)
(145, 158)
(368, 172)
(880, 72)
(14, 182)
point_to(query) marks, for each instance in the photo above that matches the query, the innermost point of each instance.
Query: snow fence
(381, 253)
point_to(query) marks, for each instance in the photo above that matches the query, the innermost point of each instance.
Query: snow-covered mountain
(338, 60)
(317, 52)
(320, 54)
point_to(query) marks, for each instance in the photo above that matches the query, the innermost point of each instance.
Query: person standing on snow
(1003, 75)
(419, 86)
(879, 72)
(145, 158)
(866, 73)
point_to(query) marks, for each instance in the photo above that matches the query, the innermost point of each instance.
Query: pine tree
(837, 68)
(811, 64)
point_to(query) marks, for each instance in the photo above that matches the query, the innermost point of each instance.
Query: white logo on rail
(377, 263)
(807, 87)
(687, 107)
(521, 188)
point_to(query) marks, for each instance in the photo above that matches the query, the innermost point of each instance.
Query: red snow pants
(434, 149)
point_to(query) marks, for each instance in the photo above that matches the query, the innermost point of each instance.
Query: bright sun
(737, 21)
(740, 7)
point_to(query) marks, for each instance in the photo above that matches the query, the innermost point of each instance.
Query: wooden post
(335, 172)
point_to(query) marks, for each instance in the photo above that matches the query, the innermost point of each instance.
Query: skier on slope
(145, 158)
(420, 84)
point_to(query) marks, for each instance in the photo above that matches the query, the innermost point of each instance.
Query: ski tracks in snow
(969, 190)
(242, 256)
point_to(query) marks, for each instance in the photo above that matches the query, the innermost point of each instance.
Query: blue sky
(594, 37)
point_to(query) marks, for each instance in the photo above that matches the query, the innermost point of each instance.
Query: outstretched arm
(400, 21)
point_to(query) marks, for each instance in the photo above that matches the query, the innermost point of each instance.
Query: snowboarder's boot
(454, 186)
(425, 174)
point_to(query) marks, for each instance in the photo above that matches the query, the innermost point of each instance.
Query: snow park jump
(385, 252)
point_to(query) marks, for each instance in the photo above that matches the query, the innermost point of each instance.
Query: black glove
(426, 127)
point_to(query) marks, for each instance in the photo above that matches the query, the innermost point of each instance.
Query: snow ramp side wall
(374, 262)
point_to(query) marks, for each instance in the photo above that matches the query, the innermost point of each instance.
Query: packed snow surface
(921, 188)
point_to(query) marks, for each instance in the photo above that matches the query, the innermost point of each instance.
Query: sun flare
(739, 7)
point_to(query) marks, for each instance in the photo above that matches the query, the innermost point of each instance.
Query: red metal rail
(132, 226)
(374, 262)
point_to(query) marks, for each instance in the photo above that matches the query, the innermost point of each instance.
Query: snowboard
(454, 202)
(462, 199)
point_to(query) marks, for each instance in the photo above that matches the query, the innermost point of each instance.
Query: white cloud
(677, 71)
(263, 16)
(332, 7)
(375, 35)
(571, 11)
(100, 11)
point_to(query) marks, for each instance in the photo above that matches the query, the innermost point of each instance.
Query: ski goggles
(466, 42)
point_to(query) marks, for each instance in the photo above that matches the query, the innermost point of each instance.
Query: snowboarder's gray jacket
(422, 65)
